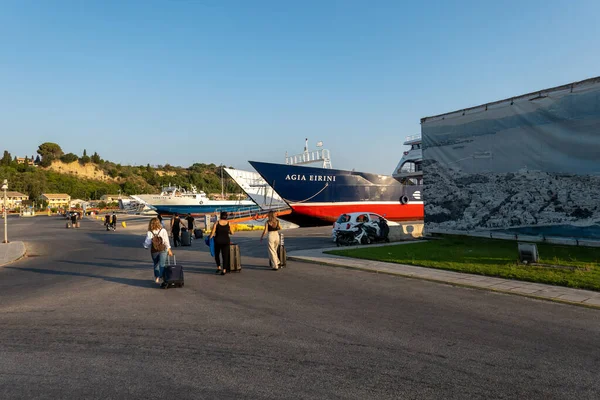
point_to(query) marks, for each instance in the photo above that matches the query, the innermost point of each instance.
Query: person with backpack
(157, 239)
(221, 231)
(272, 228)
(107, 222)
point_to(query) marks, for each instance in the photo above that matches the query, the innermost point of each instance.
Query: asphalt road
(82, 318)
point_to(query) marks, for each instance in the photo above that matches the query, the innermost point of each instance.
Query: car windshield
(343, 218)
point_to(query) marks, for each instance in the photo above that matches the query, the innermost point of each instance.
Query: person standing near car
(272, 228)
(157, 239)
(175, 229)
(221, 232)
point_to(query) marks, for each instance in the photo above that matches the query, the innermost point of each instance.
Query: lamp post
(5, 188)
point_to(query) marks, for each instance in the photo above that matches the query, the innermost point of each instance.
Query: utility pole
(5, 188)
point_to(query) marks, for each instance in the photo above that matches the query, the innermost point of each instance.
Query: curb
(22, 256)
(531, 296)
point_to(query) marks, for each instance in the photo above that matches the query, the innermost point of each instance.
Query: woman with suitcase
(157, 239)
(272, 228)
(221, 232)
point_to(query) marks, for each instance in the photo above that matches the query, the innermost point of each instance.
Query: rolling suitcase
(198, 233)
(173, 275)
(282, 255)
(235, 259)
(186, 238)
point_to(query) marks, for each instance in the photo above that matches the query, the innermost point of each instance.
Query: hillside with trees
(91, 177)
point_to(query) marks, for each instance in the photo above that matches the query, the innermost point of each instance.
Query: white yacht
(174, 200)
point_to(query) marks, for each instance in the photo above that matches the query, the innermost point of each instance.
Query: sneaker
(157, 280)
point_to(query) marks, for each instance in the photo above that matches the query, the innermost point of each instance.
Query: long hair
(154, 224)
(272, 219)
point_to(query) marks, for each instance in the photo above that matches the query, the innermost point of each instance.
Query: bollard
(123, 224)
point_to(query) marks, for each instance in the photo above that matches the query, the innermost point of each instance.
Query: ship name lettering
(312, 178)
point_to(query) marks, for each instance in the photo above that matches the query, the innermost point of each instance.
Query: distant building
(56, 200)
(13, 199)
(25, 160)
(76, 202)
(110, 198)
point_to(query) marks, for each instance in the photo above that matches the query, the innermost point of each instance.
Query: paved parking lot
(82, 318)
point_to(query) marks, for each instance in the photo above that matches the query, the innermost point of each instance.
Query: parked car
(349, 221)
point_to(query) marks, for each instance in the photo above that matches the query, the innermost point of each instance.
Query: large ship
(174, 200)
(324, 194)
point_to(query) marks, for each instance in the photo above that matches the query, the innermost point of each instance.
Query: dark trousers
(176, 238)
(224, 250)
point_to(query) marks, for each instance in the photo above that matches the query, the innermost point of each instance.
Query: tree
(85, 158)
(37, 160)
(49, 152)
(95, 158)
(69, 158)
(6, 159)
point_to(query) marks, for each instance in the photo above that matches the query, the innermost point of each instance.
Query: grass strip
(492, 257)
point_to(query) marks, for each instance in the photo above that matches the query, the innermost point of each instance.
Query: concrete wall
(406, 231)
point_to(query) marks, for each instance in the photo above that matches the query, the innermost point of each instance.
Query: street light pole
(5, 188)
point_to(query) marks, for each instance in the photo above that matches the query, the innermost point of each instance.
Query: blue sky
(220, 81)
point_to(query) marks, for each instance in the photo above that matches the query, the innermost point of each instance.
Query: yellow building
(57, 200)
(24, 160)
(13, 199)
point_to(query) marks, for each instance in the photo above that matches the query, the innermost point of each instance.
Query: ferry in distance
(174, 200)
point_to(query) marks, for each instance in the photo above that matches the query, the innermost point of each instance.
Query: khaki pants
(273, 243)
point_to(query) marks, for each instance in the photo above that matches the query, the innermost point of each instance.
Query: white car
(348, 221)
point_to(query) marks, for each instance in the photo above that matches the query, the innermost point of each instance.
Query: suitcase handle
(169, 260)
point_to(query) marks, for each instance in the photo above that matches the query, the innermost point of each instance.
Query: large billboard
(530, 164)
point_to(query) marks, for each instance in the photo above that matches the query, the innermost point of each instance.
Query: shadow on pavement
(143, 283)
(138, 265)
(118, 239)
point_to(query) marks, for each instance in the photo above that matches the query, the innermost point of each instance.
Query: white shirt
(161, 233)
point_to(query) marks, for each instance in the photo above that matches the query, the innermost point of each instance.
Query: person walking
(221, 232)
(190, 221)
(175, 229)
(113, 221)
(107, 222)
(272, 228)
(157, 239)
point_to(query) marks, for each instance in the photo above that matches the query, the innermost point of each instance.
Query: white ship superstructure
(409, 169)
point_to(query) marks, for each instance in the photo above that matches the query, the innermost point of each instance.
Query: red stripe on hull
(392, 212)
